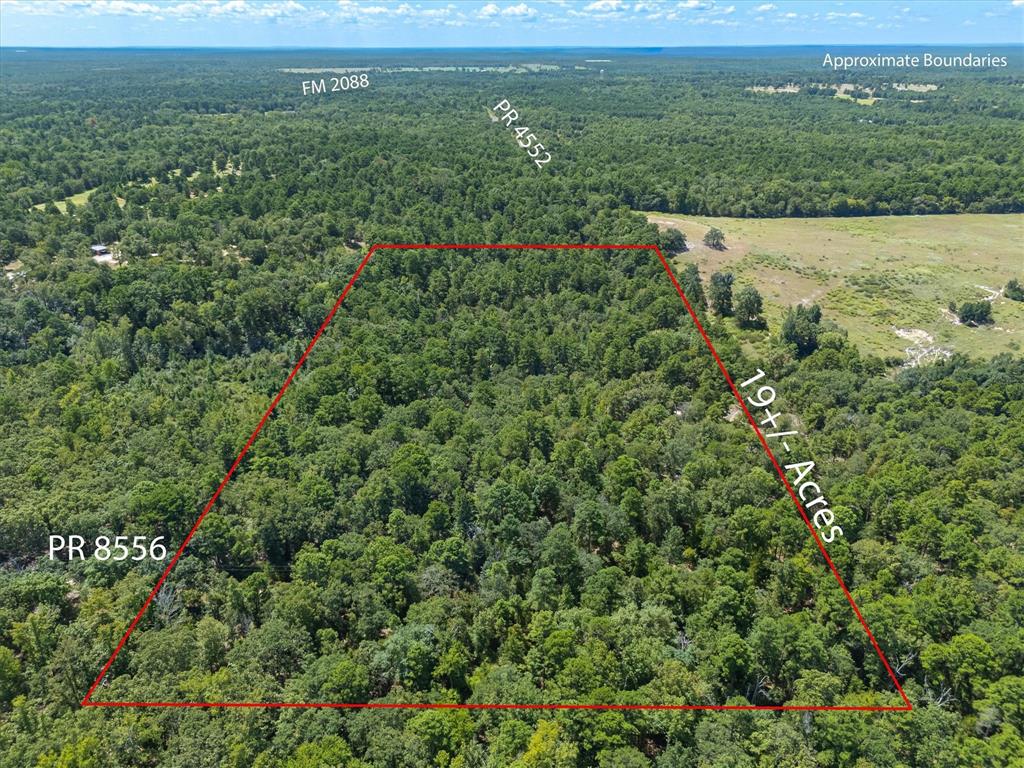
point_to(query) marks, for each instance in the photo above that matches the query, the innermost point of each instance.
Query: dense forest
(668, 133)
(502, 475)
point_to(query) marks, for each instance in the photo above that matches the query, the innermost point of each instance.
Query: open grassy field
(887, 280)
(80, 199)
(62, 205)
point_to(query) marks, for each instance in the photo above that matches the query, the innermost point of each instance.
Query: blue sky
(502, 23)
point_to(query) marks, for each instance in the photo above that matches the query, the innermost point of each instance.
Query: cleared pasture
(882, 278)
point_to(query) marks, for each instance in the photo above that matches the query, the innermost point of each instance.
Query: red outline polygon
(88, 701)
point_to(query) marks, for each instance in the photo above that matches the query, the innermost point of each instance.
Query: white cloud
(374, 12)
(231, 7)
(181, 11)
(1018, 3)
(493, 10)
(26, 9)
(522, 10)
(127, 7)
(114, 7)
(601, 10)
(184, 10)
(850, 15)
(435, 13)
(353, 11)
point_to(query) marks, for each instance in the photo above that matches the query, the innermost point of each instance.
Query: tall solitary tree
(715, 238)
(721, 293)
(749, 306)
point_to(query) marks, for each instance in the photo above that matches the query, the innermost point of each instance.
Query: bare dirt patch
(787, 88)
(915, 87)
(922, 347)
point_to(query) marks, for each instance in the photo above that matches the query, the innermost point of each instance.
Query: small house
(102, 255)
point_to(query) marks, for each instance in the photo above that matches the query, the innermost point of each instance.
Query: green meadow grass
(873, 275)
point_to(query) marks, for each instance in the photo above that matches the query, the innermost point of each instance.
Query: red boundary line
(88, 702)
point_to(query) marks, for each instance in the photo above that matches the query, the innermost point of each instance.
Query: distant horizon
(995, 44)
(406, 24)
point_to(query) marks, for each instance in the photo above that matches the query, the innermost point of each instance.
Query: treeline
(658, 133)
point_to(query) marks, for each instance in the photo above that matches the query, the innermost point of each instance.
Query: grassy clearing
(82, 197)
(62, 205)
(79, 200)
(865, 102)
(877, 274)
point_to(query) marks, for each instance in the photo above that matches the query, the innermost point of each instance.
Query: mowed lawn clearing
(885, 279)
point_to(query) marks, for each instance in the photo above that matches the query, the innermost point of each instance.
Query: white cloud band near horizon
(496, 23)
